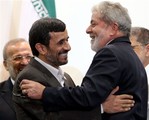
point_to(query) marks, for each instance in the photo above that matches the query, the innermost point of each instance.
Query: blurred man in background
(16, 55)
(139, 38)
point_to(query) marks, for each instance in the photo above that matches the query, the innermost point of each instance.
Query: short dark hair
(39, 32)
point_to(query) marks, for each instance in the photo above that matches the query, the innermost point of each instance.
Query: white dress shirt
(58, 73)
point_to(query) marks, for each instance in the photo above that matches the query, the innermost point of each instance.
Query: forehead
(58, 35)
(18, 48)
(95, 19)
(95, 16)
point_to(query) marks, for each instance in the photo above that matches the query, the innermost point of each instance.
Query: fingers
(126, 107)
(126, 100)
(26, 84)
(25, 81)
(123, 103)
(32, 89)
(118, 103)
(114, 90)
(125, 96)
(127, 104)
(24, 91)
(27, 91)
(23, 84)
(123, 107)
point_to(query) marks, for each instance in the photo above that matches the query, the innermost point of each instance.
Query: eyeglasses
(21, 57)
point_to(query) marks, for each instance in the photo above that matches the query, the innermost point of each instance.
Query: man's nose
(25, 60)
(67, 46)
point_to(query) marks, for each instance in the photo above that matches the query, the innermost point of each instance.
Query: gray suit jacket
(29, 109)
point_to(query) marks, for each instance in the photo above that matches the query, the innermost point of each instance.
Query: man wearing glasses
(140, 42)
(16, 55)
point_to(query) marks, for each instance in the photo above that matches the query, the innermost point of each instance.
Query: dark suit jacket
(114, 65)
(28, 109)
(7, 111)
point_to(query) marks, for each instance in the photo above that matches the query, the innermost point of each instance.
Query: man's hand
(118, 103)
(32, 89)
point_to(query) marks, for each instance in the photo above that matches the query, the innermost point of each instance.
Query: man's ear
(5, 64)
(41, 48)
(114, 28)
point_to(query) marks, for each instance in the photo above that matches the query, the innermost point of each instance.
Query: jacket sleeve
(25, 107)
(97, 84)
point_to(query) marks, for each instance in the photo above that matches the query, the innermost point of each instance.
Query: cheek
(8, 65)
(14, 66)
(96, 31)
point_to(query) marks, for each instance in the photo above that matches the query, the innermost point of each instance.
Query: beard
(52, 60)
(96, 42)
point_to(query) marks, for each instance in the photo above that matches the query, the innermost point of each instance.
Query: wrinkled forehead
(19, 48)
(95, 16)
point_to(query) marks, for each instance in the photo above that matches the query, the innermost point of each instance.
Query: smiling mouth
(64, 54)
(93, 37)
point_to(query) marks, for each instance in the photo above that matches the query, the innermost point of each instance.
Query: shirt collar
(12, 81)
(58, 73)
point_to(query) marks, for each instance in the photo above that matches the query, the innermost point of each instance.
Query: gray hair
(141, 34)
(114, 13)
(9, 43)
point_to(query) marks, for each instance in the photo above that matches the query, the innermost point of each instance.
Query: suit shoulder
(2, 84)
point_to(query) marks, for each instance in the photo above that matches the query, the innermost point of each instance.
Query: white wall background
(75, 13)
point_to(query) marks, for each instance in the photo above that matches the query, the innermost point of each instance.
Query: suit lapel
(68, 80)
(51, 80)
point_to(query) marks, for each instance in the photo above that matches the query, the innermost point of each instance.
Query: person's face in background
(18, 56)
(139, 49)
(57, 52)
(98, 31)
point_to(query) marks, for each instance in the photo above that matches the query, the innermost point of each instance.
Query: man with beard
(114, 64)
(16, 55)
(48, 39)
